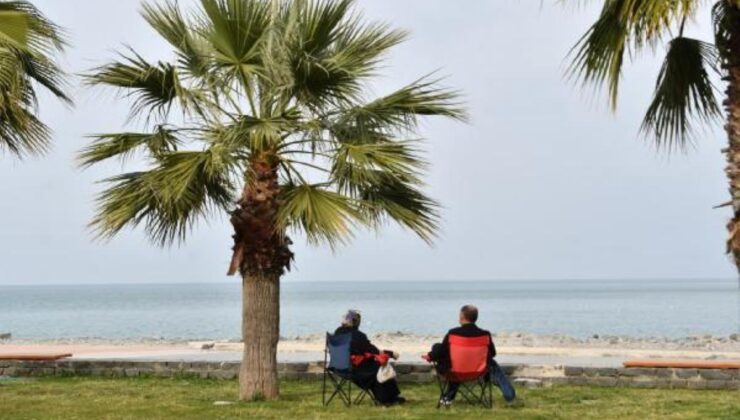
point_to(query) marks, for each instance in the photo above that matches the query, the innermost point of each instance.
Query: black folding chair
(338, 372)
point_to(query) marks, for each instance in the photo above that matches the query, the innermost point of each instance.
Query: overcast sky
(544, 183)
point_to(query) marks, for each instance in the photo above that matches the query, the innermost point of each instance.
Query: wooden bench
(683, 364)
(35, 357)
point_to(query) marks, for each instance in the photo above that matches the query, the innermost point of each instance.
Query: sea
(177, 312)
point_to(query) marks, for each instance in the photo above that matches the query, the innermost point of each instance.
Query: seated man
(440, 351)
(365, 364)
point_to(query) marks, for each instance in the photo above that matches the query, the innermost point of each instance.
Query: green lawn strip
(85, 398)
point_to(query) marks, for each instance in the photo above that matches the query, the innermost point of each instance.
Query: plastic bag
(386, 373)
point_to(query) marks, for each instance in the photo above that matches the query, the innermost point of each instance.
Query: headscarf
(352, 318)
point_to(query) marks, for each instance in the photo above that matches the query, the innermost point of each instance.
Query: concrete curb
(526, 375)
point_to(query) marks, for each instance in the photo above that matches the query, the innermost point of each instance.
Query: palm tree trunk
(261, 254)
(260, 330)
(732, 107)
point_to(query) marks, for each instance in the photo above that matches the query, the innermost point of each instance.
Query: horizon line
(492, 280)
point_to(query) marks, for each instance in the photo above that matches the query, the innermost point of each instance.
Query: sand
(512, 348)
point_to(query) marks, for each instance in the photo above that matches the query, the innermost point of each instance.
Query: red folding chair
(469, 368)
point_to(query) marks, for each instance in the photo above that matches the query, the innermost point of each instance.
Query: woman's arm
(363, 345)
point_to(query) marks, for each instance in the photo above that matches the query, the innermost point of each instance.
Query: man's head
(468, 314)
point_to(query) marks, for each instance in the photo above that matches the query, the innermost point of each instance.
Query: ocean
(212, 311)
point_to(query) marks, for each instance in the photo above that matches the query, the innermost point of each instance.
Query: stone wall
(415, 373)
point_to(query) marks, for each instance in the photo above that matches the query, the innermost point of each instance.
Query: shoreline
(512, 348)
(704, 342)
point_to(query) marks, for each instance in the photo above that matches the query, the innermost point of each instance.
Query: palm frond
(28, 45)
(40, 35)
(168, 199)
(623, 26)
(236, 31)
(168, 21)
(321, 214)
(356, 167)
(684, 93)
(45, 72)
(153, 88)
(391, 199)
(257, 134)
(122, 145)
(401, 109)
(21, 132)
(331, 51)
(14, 29)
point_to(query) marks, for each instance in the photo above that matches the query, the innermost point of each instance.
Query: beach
(512, 348)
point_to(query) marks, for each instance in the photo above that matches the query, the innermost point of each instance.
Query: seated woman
(364, 366)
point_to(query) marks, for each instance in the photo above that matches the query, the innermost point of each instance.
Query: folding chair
(469, 368)
(338, 371)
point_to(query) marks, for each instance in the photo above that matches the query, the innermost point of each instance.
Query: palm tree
(685, 96)
(265, 104)
(28, 44)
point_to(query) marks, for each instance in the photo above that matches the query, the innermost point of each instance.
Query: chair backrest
(338, 347)
(468, 356)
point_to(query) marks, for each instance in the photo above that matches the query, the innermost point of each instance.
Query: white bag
(386, 373)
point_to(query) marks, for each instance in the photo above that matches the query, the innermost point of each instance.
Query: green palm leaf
(14, 29)
(401, 109)
(167, 20)
(122, 145)
(321, 214)
(623, 26)
(391, 198)
(153, 87)
(168, 199)
(683, 93)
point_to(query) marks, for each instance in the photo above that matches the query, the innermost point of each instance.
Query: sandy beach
(512, 348)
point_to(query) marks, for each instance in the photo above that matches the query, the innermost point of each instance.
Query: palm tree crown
(283, 83)
(28, 44)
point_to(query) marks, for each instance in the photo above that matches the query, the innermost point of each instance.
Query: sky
(543, 183)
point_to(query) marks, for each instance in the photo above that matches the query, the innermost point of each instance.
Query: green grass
(91, 398)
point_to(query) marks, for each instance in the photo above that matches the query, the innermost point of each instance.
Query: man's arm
(491, 346)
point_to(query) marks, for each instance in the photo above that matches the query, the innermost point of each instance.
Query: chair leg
(323, 389)
(490, 394)
(339, 389)
(444, 387)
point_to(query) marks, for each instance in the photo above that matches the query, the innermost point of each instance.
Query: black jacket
(441, 353)
(360, 343)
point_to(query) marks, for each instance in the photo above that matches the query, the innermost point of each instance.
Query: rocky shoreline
(704, 342)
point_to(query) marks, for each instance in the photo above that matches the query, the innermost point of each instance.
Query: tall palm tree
(686, 91)
(266, 104)
(29, 43)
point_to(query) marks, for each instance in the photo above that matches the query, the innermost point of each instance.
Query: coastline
(514, 347)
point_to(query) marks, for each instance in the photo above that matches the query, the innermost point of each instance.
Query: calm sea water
(212, 311)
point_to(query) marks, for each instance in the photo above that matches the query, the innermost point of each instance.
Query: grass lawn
(92, 398)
